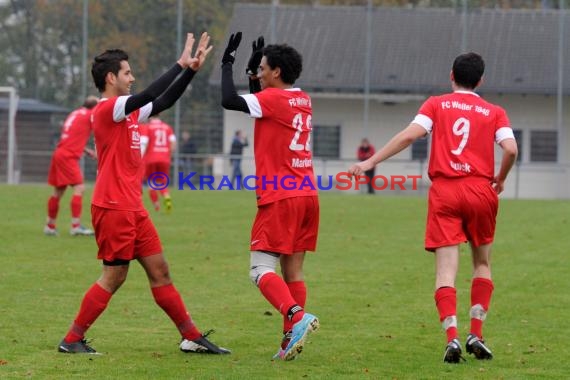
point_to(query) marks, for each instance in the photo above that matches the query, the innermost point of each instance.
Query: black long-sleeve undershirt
(173, 93)
(153, 91)
(230, 98)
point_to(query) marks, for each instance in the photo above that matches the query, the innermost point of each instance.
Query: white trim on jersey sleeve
(172, 138)
(144, 139)
(503, 133)
(144, 112)
(119, 109)
(253, 105)
(424, 121)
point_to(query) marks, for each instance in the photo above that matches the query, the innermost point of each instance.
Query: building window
(326, 141)
(420, 149)
(543, 146)
(519, 139)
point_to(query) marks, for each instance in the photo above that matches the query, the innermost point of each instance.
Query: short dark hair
(107, 62)
(287, 59)
(90, 102)
(468, 69)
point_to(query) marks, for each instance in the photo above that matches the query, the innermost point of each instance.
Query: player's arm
(153, 91)
(253, 64)
(144, 144)
(193, 64)
(510, 152)
(398, 143)
(187, 62)
(90, 152)
(230, 98)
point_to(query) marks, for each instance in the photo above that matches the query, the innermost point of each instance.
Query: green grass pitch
(370, 283)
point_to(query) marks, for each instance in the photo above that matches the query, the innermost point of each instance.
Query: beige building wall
(389, 114)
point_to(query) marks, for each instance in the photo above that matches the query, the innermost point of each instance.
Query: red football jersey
(119, 164)
(158, 136)
(464, 129)
(283, 158)
(75, 132)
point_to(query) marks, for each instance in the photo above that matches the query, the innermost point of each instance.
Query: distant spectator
(239, 142)
(187, 147)
(365, 151)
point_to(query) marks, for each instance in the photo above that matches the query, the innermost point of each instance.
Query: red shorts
(64, 170)
(124, 235)
(286, 226)
(155, 167)
(461, 210)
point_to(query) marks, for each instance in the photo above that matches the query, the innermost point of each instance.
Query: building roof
(31, 105)
(412, 50)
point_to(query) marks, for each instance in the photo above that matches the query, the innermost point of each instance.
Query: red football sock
(298, 291)
(76, 205)
(481, 292)
(275, 290)
(94, 303)
(153, 195)
(168, 298)
(446, 303)
(53, 208)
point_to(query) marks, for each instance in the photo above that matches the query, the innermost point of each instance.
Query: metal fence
(206, 172)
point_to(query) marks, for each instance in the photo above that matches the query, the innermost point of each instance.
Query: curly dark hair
(287, 59)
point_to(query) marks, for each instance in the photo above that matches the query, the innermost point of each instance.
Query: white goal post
(12, 109)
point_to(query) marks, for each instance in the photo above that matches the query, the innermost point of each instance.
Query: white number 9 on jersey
(461, 128)
(297, 123)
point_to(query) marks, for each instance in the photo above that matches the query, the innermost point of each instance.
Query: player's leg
(446, 266)
(148, 251)
(292, 271)
(76, 206)
(92, 306)
(150, 170)
(481, 293)
(481, 222)
(304, 213)
(165, 168)
(370, 174)
(168, 298)
(238, 175)
(272, 287)
(52, 210)
(294, 334)
(444, 233)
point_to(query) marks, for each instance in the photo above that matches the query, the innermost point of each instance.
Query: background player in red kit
(64, 169)
(123, 229)
(286, 224)
(463, 200)
(158, 141)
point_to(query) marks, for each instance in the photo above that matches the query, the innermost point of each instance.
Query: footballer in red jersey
(287, 220)
(463, 197)
(65, 171)
(123, 229)
(158, 141)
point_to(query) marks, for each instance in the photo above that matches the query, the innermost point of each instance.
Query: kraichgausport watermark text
(341, 181)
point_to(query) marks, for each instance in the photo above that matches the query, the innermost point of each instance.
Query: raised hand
(186, 55)
(196, 60)
(256, 55)
(230, 52)
(202, 52)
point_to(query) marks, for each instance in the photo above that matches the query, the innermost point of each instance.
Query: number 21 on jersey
(297, 124)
